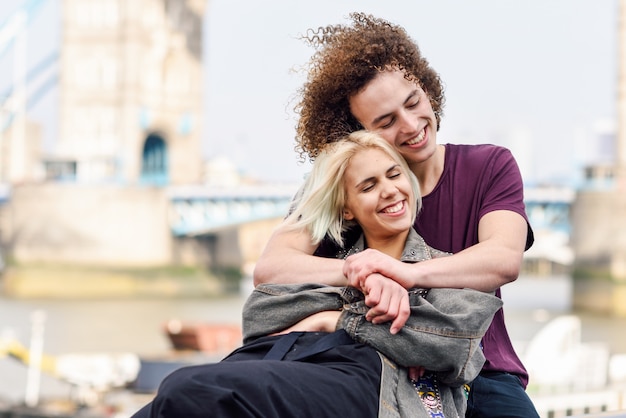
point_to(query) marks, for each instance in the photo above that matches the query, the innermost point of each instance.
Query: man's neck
(429, 172)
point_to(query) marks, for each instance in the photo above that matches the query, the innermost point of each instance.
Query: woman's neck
(393, 245)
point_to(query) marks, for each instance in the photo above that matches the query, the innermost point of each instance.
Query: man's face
(400, 111)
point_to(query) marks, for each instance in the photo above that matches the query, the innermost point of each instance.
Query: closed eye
(394, 172)
(413, 105)
(367, 187)
(388, 124)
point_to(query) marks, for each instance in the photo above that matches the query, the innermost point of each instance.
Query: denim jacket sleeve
(271, 308)
(442, 334)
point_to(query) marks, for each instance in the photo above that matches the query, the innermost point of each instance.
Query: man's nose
(407, 122)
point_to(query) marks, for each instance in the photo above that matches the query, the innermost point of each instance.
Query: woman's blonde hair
(319, 206)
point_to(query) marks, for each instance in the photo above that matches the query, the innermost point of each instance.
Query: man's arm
(486, 266)
(288, 258)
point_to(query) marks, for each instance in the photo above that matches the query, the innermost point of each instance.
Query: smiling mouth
(394, 208)
(418, 139)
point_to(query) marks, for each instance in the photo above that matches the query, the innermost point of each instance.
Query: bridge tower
(619, 259)
(599, 211)
(621, 102)
(130, 92)
(130, 107)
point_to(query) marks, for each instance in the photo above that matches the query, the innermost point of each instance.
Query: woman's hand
(387, 300)
(415, 372)
(325, 321)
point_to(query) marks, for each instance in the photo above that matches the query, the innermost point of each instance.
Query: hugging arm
(288, 258)
(491, 263)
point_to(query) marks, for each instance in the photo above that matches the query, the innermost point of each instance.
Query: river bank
(135, 325)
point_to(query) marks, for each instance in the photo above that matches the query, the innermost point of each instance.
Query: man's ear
(347, 215)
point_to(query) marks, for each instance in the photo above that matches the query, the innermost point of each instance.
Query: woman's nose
(389, 188)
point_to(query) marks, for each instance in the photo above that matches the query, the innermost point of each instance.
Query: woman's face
(400, 111)
(378, 195)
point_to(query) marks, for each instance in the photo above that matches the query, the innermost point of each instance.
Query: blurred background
(147, 152)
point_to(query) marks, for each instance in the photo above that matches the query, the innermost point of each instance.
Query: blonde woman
(309, 350)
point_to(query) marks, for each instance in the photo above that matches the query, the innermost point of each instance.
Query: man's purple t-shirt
(476, 180)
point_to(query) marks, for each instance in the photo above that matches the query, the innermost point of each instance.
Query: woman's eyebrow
(393, 167)
(373, 178)
(364, 181)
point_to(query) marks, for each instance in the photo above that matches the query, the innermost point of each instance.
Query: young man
(371, 75)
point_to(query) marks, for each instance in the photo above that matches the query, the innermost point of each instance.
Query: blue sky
(538, 76)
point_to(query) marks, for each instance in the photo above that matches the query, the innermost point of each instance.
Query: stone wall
(598, 219)
(77, 224)
(116, 226)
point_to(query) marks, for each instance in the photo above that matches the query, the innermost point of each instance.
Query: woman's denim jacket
(442, 334)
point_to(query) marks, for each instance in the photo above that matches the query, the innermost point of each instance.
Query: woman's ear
(347, 215)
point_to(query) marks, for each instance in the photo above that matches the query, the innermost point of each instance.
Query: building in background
(130, 106)
(598, 213)
(124, 184)
(130, 92)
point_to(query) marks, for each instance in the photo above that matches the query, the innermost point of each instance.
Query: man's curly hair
(346, 59)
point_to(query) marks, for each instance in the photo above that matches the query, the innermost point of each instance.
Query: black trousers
(312, 380)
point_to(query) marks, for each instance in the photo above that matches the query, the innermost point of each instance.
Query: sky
(537, 76)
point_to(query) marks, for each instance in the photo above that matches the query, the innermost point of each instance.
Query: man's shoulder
(469, 158)
(475, 150)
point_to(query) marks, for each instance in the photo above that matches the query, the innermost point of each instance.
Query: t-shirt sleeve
(504, 189)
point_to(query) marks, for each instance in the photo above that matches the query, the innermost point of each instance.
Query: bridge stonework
(599, 214)
(599, 232)
(79, 224)
(118, 226)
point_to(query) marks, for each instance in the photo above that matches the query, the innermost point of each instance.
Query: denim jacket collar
(415, 248)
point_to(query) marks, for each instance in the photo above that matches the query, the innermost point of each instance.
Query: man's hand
(358, 267)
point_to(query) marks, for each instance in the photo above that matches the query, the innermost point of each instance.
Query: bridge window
(60, 170)
(94, 13)
(154, 164)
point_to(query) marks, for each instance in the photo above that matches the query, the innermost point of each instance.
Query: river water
(135, 325)
(99, 326)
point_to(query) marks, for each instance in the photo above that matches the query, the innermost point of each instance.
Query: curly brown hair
(347, 58)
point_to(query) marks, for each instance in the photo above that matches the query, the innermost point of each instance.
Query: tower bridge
(199, 210)
(549, 207)
(119, 138)
(549, 213)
